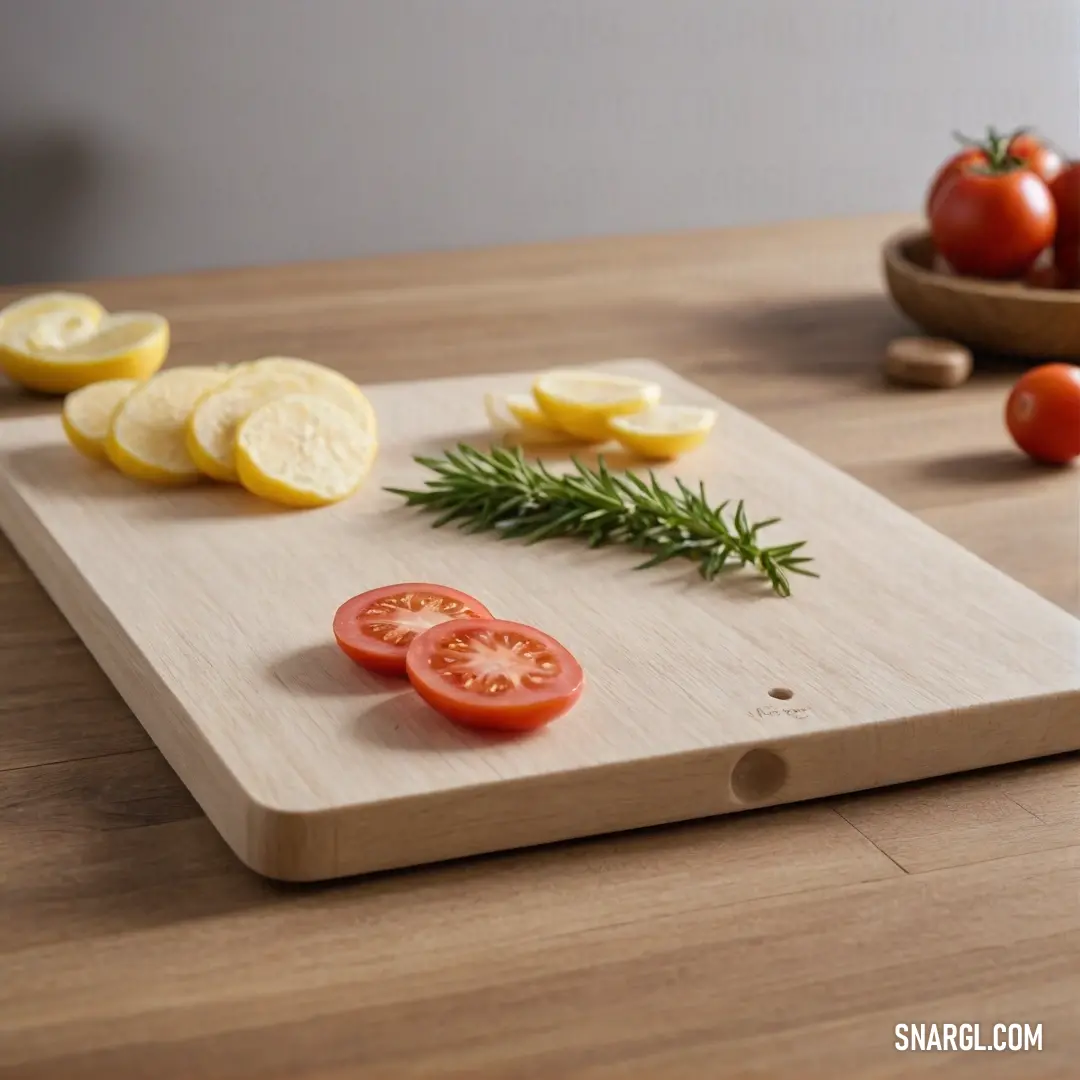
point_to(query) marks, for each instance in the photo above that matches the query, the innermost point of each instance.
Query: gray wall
(147, 135)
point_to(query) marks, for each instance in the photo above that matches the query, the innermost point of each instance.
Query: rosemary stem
(499, 490)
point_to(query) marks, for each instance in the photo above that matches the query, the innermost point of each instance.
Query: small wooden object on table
(930, 362)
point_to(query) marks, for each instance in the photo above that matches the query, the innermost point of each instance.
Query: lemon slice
(303, 450)
(59, 342)
(87, 413)
(508, 423)
(664, 431)
(147, 435)
(527, 413)
(583, 402)
(211, 435)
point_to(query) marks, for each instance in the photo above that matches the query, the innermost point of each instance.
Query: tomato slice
(491, 673)
(376, 628)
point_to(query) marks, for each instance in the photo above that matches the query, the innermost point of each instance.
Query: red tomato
(376, 628)
(1067, 262)
(1041, 159)
(1066, 192)
(490, 673)
(972, 155)
(993, 224)
(1043, 413)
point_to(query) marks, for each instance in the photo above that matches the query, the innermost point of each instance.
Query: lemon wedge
(211, 434)
(60, 342)
(583, 402)
(664, 431)
(147, 435)
(87, 413)
(510, 423)
(303, 451)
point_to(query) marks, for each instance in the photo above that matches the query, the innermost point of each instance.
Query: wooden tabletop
(784, 943)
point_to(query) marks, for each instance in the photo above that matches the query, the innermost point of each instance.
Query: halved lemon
(60, 342)
(664, 431)
(508, 421)
(303, 450)
(147, 435)
(87, 413)
(211, 434)
(583, 402)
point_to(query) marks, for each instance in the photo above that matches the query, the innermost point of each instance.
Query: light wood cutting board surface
(784, 942)
(908, 657)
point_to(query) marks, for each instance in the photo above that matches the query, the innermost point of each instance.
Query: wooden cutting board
(211, 613)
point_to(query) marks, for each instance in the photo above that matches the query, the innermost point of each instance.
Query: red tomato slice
(376, 628)
(490, 673)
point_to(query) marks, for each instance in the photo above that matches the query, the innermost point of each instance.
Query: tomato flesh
(376, 628)
(1043, 413)
(494, 674)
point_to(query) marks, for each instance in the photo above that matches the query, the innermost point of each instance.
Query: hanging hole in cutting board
(782, 692)
(758, 775)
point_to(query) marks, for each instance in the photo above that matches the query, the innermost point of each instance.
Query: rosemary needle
(499, 490)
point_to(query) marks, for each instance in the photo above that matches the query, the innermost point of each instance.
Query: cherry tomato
(1043, 413)
(377, 627)
(993, 223)
(490, 673)
(1041, 159)
(1066, 192)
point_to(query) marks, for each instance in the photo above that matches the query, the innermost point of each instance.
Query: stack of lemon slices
(58, 342)
(286, 429)
(574, 405)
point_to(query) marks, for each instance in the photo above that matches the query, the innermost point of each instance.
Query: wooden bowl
(998, 317)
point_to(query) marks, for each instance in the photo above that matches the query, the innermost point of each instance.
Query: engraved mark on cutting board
(798, 711)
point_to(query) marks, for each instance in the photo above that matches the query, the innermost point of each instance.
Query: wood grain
(780, 943)
(216, 630)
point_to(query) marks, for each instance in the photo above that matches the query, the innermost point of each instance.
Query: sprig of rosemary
(499, 490)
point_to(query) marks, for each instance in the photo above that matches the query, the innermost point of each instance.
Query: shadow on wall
(46, 178)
